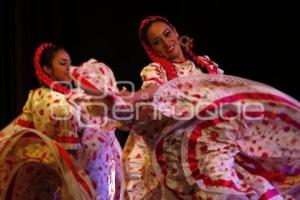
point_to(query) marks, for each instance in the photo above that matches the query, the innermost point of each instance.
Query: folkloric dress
(140, 180)
(220, 137)
(66, 125)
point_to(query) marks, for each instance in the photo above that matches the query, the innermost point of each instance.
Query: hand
(127, 96)
(124, 92)
(83, 157)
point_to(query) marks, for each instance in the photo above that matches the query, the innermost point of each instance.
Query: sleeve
(27, 113)
(26, 118)
(152, 74)
(56, 118)
(94, 77)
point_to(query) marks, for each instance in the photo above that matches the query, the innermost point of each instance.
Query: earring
(186, 41)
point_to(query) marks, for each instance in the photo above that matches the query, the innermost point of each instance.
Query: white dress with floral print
(249, 150)
(220, 137)
(63, 122)
(140, 180)
(224, 137)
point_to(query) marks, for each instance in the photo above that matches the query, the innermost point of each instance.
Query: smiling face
(60, 66)
(164, 41)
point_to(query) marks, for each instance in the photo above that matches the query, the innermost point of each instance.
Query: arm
(152, 76)
(141, 95)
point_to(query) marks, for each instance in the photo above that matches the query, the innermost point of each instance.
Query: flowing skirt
(223, 137)
(32, 166)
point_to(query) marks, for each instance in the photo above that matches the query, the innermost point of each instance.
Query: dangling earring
(186, 41)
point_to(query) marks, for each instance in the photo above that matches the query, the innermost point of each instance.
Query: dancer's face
(164, 41)
(60, 67)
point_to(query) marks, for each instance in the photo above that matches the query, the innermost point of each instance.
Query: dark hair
(48, 55)
(147, 22)
(43, 55)
(204, 64)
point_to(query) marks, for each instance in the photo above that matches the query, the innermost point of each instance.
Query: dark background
(251, 39)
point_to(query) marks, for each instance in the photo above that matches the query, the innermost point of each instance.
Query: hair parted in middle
(203, 63)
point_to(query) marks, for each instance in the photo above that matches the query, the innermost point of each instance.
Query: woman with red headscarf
(47, 150)
(172, 57)
(220, 137)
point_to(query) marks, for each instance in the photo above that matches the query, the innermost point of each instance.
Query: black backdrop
(247, 38)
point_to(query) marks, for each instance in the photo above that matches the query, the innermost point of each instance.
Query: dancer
(171, 57)
(60, 127)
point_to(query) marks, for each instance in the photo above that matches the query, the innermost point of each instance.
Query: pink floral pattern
(249, 155)
(140, 178)
(248, 150)
(98, 137)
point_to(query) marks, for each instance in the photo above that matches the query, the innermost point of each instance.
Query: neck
(180, 59)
